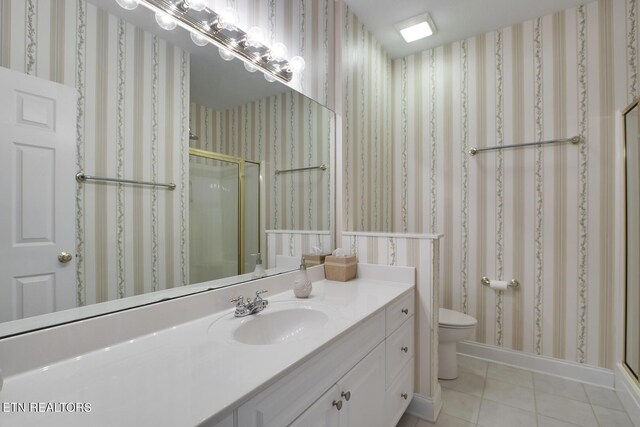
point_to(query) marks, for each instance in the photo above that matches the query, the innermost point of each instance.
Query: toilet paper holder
(512, 284)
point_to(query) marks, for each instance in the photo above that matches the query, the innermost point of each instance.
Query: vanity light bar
(207, 24)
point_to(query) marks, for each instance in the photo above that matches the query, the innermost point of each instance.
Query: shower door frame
(627, 110)
(241, 194)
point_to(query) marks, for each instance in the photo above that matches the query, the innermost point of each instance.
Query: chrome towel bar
(321, 167)
(575, 140)
(81, 177)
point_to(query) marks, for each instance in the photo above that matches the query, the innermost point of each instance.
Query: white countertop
(189, 373)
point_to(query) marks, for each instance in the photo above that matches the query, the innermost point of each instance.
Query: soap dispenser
(259, 270)
(301, 283)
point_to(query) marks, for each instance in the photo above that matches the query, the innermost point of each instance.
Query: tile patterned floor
(488, 394)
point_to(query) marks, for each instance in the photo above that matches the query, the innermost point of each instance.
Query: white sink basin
(281, 326)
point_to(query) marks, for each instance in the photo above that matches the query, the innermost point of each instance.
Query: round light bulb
(128, 4)
(225, 54)
(228, 18)
(198, 39)
(165, 21)
(255, 37)
(297, 64)
(250, 67)
(279, 51)
(197, 5)
(269, 78)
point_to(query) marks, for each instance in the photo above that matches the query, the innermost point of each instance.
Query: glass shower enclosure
(224, 215)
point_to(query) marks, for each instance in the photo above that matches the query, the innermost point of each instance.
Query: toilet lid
(455, 318)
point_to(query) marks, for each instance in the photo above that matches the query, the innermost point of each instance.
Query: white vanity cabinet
(364, 379)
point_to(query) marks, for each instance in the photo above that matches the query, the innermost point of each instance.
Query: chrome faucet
(250, 307)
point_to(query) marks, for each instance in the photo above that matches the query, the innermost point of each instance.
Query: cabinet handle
(405, 310)
(405, 349)
(404, 396)
(337, 404)
(346, 395)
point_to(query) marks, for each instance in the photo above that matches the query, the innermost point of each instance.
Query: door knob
(64, 257)
(337, 404)
(346, 395)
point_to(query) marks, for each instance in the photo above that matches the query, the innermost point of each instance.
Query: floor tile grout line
(590, 404)
(484, 386)
(535, 400)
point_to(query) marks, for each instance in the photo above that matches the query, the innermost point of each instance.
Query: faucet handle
(264, 291)
(239, 300)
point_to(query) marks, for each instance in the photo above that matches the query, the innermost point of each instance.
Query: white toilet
(453, 327)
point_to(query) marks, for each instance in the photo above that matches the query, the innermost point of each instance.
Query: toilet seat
(454, 319)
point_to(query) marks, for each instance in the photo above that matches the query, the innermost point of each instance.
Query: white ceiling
(454, 19)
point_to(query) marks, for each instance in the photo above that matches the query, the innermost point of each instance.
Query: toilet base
(447, 361)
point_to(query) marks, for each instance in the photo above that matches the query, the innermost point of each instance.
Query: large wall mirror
(631, 118)
(146, 105)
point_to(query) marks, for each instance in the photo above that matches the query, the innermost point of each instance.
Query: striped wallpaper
(132, 120)
(285, 131)
(541, 215)
(369, 162)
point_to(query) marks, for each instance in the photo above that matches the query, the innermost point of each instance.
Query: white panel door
(37, 205)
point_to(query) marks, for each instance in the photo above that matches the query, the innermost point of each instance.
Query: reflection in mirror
(283, 132)
(632, 313)
(224, 215)
(131, 93)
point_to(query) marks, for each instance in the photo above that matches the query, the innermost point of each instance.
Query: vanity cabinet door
(357, 400)
(323, 413)
(362, 392)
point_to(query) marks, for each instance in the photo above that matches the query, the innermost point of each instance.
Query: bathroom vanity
(343, 357)
(364, 377)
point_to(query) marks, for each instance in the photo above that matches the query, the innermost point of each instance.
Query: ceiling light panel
(416, 28)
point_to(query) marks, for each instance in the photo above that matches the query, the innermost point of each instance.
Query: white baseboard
(426, 408)
(543, 364)
(628, 391)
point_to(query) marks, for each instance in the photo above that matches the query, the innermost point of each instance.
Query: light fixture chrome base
(205, 23)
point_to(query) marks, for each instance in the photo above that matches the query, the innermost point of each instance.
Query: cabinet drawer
(399, 349)
(399, 395)
(399, 311)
